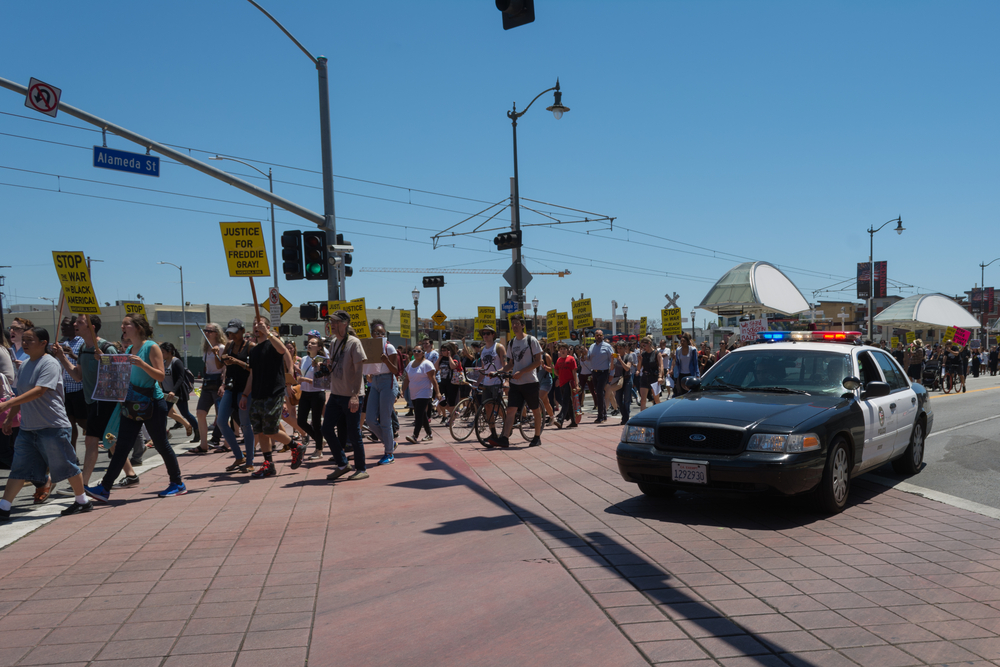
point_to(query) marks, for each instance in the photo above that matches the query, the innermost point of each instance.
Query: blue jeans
(381, 397)
(624, 397)
(226, 403)
(44, 451)
(338, 416)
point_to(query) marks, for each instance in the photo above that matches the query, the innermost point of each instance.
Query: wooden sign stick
(256, 307)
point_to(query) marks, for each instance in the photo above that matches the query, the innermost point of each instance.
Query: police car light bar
(812, 336)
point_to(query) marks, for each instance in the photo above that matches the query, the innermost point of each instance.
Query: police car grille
(716, 440)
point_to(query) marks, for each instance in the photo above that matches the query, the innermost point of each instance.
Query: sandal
(42, 493)
(188, 431)
(197, 450)
(236, 465)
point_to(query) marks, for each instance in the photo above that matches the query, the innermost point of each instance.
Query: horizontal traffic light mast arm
(392, 269)
(184, 159)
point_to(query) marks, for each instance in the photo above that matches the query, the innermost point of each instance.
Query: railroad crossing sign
(672, 300)
(42, 97)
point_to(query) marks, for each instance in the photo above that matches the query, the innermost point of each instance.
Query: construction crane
(383, 269)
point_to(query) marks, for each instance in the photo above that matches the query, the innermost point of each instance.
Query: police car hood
(746, 409)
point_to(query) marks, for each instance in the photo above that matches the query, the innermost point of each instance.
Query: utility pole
(3, 325)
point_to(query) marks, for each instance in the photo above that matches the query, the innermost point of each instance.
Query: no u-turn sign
(43, 97)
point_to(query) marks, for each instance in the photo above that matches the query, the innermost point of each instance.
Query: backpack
(188, 381)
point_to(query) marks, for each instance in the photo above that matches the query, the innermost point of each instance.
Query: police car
(797, 412)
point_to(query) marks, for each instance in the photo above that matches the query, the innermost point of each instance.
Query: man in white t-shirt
(381, 392)
(524, 355)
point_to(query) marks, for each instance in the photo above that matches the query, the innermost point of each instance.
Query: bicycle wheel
(463, 420)
(526, 423)
(948, 383)
(490, 412)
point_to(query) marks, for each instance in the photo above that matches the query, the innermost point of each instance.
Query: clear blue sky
(774, 131)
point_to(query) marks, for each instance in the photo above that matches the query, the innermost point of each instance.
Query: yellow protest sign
(135, 307)
(583, 315)
(550, 324)
(949, 334)
(487, 313)
(510, 316)
(562, 326)
(245, 251)
(404, 324)
(894, 342)
(671, 321)
(71, 267)
(910, 336)
(334, 306)
(359, 317)
(642, 327)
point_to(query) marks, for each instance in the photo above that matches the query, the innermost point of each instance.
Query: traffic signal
(433, 281)
(308, 312)
(508, 240)
(516, 12)
(317, 266)
(324, 310)
(291, 255)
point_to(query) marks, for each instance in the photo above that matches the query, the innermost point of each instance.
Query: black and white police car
(797, 412)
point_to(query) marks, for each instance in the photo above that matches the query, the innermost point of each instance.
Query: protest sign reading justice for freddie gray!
(246, 255)
(75, 280)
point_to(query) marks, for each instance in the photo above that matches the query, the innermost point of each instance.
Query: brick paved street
(457, 555)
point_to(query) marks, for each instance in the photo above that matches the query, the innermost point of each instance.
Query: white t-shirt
(420, 379)
(490, 362)
(523, 353)
(309, 370)
(380, 368)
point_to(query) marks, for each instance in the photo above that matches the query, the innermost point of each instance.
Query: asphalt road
(962, 456)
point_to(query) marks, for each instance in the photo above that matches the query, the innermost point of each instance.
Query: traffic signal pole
(329, 216)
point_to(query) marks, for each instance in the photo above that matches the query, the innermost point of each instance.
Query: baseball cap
(234, 325)
(341, 315)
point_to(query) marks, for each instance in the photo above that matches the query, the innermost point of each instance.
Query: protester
(213, 346)
(17, 327)
(624, 365)
(422, 385)
(176, 389)
(236, 358)
(524, 355)
(150, 410)
(600, 355)
(264, 395)
(650, 372)
(566, 380)
(913, 360)
(449, 373)
(685, 364)
(545, 385)
(382, 393)
(313, 398)
(342, 413)
(8, 366)
(492, 359)
(76, 405)
(43, 441)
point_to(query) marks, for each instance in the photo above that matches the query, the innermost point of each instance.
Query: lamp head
(415, 294)
(534, 303)
(217, 157)
(557, 107)
(899, 226)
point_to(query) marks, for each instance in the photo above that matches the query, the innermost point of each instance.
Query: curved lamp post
(985, 317)
(270, 187)
(416, 315)
(557, 110)
(871, 271)
(184, 326)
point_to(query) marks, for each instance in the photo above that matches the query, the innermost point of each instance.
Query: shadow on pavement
(658, 585)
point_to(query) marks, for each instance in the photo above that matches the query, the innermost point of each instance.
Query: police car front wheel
(836, 484)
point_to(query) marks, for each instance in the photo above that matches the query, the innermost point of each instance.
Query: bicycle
(949, 381)
(491, 417)
(463, 417)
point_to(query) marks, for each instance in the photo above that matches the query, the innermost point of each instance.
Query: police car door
(880, 420)
(904, 399)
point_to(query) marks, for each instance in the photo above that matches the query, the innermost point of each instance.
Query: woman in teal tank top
(147, 374)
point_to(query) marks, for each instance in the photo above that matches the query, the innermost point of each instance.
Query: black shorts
(450, 393)
(76, 405)
(98, 415)
(491, 391)
(913, 370)
(521, 394)
(208, 398)
(646, 381)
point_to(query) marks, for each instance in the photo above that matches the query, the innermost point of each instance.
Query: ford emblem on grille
(696, 437)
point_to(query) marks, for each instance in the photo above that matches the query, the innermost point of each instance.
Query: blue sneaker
(97, 492)
(173, 490)
(386, 460)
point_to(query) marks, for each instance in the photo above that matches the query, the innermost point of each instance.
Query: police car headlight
(641, 435)
(764, 442)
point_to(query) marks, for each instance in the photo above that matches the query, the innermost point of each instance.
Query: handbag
(6, 394)
(138, 403)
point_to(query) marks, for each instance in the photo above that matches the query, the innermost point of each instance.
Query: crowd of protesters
(268, 400)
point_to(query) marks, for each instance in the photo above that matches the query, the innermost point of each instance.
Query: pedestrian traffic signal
(516, 12)
(314, 249)
(324, 310)
(308, 312)
(508, 240)
(291, 255)
(433, 281)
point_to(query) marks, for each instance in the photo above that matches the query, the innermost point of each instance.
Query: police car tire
(835, 487)
(656, 491)
(913, 458)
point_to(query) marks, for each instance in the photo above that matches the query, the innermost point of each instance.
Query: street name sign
(132, 163)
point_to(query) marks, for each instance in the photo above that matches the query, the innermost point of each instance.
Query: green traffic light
(314, 269)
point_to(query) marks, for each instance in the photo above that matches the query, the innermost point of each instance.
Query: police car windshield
(788, 370)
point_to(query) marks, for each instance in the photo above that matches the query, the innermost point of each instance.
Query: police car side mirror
(692, 383)
(875, 390)
(851, 383)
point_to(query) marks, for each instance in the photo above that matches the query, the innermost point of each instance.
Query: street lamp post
(692, 327)
(416, 315)
(871, 271)
(625, 317)
(184, 326)
(984, 317)
(330, 218)
(270, 187)
(534, 320)
(557, 110)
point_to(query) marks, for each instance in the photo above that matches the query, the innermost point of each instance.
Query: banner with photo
(113, 374)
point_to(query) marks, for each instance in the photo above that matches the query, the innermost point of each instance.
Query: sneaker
(128, 480)
(315, 456)
(361, 474)
(411, 439)
(246, 467)
(4, 515)
(428, 438)
(559, 423)
(236, 465)
(97, 492)
(135, 462)
(297, 453)
(338, 472)
(173, 490)
(503, 441)
(266, 469)
(64, 492)
(77, 508)
(386, 460)
(535, 442)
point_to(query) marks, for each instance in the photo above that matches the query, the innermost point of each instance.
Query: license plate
(692, 473)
